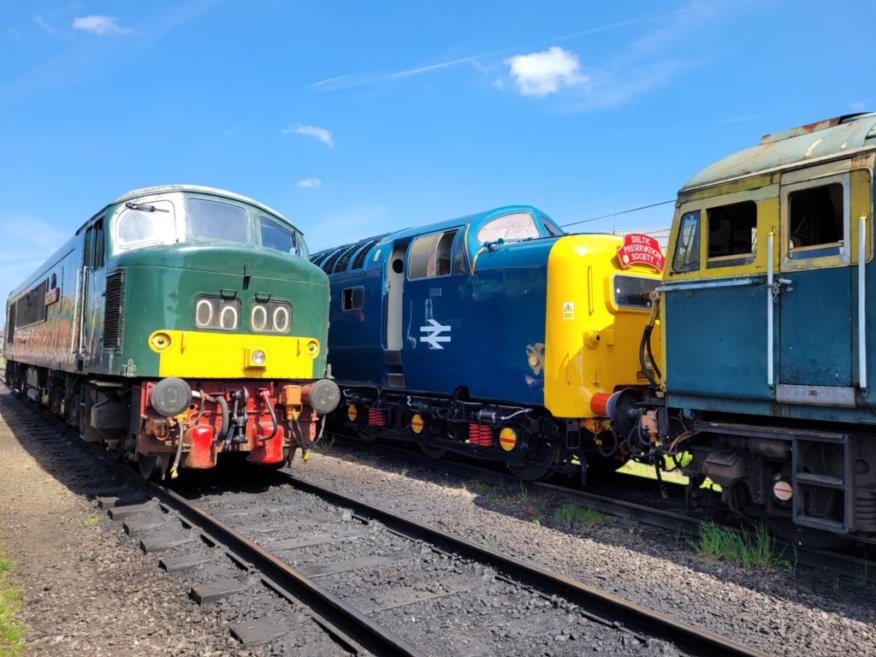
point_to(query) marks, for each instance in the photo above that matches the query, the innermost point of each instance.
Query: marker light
(254, 357)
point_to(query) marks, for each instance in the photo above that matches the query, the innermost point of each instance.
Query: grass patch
(736, 547)
(571, 515)
(11, 631)
(90, 520)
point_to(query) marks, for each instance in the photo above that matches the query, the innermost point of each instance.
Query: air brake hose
(265, 395)
(223, 406)
(645, 344)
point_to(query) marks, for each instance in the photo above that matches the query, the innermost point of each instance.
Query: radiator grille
(112, 311)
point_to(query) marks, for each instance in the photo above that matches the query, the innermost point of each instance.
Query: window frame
(732, 259)
(219, 201)
(816, 255)
(500, 218)
(172, 238)
(298, 238)
(355, 292)
(433, 241)
(695, 248)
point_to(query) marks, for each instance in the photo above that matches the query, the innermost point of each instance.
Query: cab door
(394, 299)
(434, 305)
(814, 291)
(91, 302)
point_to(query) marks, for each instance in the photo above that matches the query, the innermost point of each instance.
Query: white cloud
(100, 25)
(309, 183)
(858, 106)
(546, 72)
(311, 131)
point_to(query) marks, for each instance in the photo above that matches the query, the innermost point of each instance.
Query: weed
(736, 547)
(404, 471)
(11, 631)
(537, 521)
(524, 493)
(90, 520)
(571, 515)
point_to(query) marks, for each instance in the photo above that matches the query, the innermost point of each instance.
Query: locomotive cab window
(216, 220)
(517, 226)
(687, 246)
(431, 255)
(732, 234)
(280, 238)
(816, 218)
(142, 224)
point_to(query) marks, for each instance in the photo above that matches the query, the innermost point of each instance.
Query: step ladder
(809, 478)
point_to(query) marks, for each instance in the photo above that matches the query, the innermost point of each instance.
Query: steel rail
(855, 568)
(597, 602)
(346, 624)
(289, 582)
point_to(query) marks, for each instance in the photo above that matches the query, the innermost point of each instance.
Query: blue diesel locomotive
(496, 335)
(769, 348)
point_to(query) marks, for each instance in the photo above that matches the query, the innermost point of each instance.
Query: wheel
(432, 451)
(152, 467)
(539, 468)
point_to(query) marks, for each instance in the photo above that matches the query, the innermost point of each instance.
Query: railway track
(305, 569)
(613, 499)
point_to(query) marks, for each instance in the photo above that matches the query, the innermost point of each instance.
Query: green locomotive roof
(824, 140)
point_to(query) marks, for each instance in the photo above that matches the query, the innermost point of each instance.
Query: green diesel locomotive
(178, 323)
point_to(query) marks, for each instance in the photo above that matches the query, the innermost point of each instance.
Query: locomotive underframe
(528, 440)
(817, 475)
(264, 420)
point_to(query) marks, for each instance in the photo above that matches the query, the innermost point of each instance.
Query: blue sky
(353, 118)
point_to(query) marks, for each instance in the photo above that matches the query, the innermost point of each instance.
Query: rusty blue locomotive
(768, 330)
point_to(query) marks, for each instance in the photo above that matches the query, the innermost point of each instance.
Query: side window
(518, 226)
(687, 248)
(278, 237)
(459, 255)
(431, 255)
(552, 229)
(815, 219)
(99, 244)
(31, 308)
(353, 298)
(732, 233)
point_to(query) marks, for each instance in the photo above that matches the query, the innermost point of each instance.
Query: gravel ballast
(88, 590)
(86, 587)
(777, 610)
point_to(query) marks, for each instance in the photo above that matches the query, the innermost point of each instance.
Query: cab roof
(195, 189)
(823, 140)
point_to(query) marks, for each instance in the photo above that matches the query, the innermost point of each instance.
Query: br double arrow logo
(434, 334)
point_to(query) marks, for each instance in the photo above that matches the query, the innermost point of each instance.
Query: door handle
(780, 285)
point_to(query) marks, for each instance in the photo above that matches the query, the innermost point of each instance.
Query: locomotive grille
(359, 260)
(329, 264)
(112, 311)
(341, 264)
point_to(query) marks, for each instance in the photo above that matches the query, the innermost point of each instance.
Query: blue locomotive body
(768, 332)
(426, 329)
(464, 335)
